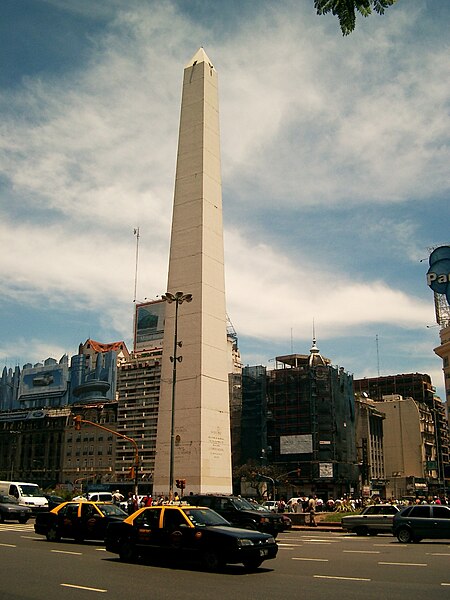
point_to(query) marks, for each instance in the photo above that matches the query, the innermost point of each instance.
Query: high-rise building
(138, 400)
(443, 351)
(419, 388)
(193, 440)
(309, 408)
(370, 446)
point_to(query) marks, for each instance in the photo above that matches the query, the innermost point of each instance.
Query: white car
(375, 518)
(271, 505)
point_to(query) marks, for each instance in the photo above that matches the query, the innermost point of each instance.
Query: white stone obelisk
(201, 430)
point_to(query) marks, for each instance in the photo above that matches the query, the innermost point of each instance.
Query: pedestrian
(117, 497)
(131, 503)
(312, 511)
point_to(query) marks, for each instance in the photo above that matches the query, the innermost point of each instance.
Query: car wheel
(404, 535)
(53, 535)
(127, 552)
(251, 564)
(361, 530)
(211, 561)
(23, 520)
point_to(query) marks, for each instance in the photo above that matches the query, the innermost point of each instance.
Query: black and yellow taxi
(79, 520)
(184, 532)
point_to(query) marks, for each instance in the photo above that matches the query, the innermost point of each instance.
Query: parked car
(286, 521)
(11, 510)
(96, 497)
(271, 505)
(53, 501)
(239, 512)
(185, 532)
(375, 518)
(414, 523)
(79, 520)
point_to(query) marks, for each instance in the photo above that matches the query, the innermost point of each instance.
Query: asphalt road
(316, 565)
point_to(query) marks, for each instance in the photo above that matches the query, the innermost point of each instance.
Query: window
(441, 512)
(422, 512)
(173, 519)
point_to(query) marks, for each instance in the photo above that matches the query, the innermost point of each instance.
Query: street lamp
(178, 298)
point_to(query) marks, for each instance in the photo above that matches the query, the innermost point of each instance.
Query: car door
(386, 516)
(440, 522)
(420, 520)
(177, 534)
(68, 520)
(225, 507)
(92, 524)
(146, 532)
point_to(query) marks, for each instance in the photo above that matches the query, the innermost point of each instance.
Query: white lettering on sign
(444, 278)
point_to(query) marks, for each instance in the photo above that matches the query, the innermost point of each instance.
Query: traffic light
(77, 420)
(180, 483)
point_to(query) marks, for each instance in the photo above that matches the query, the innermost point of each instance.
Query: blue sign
(438, 275)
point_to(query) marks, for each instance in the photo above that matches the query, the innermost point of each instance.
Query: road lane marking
(9, 545)
(66, 552)
(312, 559)
(445, 584)
(397, 564)
(82, 587)
(437, 553)
(344, 578)
(362, 551)
(30, 537)
(100, 549)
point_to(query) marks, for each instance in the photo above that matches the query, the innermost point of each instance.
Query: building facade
(419, 387)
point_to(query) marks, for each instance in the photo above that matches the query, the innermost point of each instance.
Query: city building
(370, 447)
(410, 451)
(419, 387)
(443, 351)
(310, 419)
(139, 380)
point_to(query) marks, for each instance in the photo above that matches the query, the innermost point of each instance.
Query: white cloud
(269, 288)
(309, 120)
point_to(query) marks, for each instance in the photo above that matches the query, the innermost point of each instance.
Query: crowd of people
(348, 504)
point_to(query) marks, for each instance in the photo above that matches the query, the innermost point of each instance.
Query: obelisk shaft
(202, 448)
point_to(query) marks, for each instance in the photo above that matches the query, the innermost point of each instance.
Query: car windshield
(202, 517)
(242, 504)
(30, 490)
(8, 500)
(111, 510)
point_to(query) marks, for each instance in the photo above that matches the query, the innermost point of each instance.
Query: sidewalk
(300, 521)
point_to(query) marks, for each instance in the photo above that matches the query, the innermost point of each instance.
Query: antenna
(136, 233)
(378, 355)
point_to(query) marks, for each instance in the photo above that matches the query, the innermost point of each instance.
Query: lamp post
(177, 298)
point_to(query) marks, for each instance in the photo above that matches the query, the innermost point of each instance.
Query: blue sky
(335, 169)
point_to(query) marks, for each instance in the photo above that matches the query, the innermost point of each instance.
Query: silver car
(376, 518)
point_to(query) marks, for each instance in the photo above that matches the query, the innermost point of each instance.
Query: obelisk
(200, 452)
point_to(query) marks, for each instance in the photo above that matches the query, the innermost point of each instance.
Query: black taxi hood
(237, 532)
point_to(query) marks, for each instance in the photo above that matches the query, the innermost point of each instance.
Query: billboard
(296, 444)
(326, 470)
(149, 325)
(438, 275)
(49, 380)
